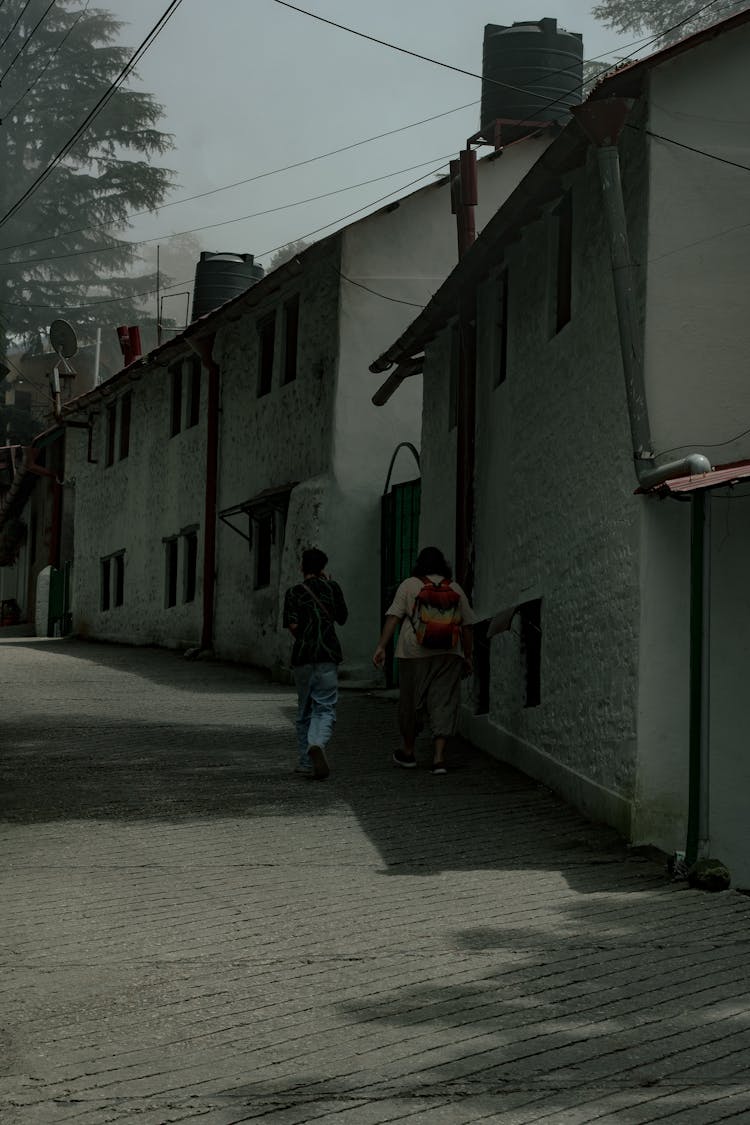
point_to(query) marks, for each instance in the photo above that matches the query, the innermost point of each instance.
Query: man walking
(312, 609)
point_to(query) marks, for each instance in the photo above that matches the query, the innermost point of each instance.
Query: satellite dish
(63, 338)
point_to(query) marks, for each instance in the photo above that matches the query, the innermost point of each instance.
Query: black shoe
(408, 761)
(439, 768)
(320, 765)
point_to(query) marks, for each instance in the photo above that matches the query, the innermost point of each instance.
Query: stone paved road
(190, 933)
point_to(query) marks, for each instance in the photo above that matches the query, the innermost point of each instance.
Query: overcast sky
(249, 86)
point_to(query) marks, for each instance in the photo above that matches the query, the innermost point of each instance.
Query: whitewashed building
(607, 348)
(214, 460)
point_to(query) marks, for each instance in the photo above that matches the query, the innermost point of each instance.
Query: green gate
(399, 542)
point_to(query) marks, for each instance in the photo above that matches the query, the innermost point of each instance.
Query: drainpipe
(464, 196)
(603, 121)
(203, 347)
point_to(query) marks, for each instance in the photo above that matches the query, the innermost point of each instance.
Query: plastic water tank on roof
(219, 277)
(544, 64)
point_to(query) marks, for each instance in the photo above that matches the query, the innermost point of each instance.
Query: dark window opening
(191, 564)
(126, 409)
(194, 392)
(175, 410)
(291, 338)
(171, 559)
(564, 215)
(105, 583)
(266, 343)
(263, 541)
(481, 668)
(454, 376)
(531, 650)
(111, 430)
(501, 369)
(119, 592)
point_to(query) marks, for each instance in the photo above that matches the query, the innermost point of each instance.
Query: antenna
(63, 339)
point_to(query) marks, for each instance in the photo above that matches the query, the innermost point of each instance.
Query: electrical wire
(648, 40)
(703, 444)
(223, 222)
(691, 148)
(105, 98)
(367, 289)
(249, 180)
(49, 61)
(26, 41)
(15, 25)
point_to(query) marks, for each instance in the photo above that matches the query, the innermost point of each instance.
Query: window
(291, 337)
(501, 363)
(564, 261)
(175, 409)
(531, 650)
(111, 418)
(266, 342)
(126, 406)
(191, 565)
(454, 376)
(171, 547)
(263, 541)
(118, 563)
(194, 392)
(105, 583)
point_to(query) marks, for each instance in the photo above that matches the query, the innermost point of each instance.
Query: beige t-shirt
(402, 606)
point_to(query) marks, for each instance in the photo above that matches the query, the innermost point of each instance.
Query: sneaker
(320, 765)
(439, 768)
(408, 761)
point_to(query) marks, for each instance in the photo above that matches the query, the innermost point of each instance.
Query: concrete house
(585, 380)
(202, 469)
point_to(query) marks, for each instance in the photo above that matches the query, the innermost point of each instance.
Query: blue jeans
(317, 694)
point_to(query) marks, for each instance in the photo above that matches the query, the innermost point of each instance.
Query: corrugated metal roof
(722, 475)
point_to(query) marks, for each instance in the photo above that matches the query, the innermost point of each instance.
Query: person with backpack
(312, 609)
(434, 650)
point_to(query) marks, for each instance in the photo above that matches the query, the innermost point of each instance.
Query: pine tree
(642, 17)
(52, 76)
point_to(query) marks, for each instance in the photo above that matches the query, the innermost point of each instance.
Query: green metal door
(399, 547)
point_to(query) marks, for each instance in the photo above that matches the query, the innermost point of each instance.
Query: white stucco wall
(133, 505)
(403, 253)
(556, 517)
(268, 442)
(697, 339)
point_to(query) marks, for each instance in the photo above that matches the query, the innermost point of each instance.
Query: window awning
(257, 507)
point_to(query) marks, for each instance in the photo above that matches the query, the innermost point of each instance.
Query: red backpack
(437, 615)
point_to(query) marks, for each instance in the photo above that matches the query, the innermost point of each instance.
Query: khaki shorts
(430, 695)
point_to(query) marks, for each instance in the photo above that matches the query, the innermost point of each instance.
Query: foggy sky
(249, 86)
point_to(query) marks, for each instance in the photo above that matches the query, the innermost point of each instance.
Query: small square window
(175, 400)
(194, 392)
(191, 565)
(171, 552)
(105, 580)
(126, 407)
(266, 346)
(291, 338)
(111, 422)
(263, 542)
(118, 563)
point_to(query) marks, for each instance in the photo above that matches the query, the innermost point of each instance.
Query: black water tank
(219, 277)
(546, 66)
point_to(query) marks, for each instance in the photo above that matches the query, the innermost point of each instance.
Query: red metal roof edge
(718, 477)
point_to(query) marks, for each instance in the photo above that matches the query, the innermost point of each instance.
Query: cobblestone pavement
(191, 933)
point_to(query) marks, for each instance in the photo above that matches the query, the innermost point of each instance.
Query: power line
(250, 179)
(367, 289)
(223, 222)
(109, 93)
(690, 148)
(26, 41)
(15, 25)
(49, 61)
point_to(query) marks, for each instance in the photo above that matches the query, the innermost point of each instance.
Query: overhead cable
(49, 61)
(26, 41)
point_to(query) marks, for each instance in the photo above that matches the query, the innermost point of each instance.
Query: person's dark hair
(431, 560)
(313, 560)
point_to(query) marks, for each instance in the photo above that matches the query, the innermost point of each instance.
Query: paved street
(191, 933)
